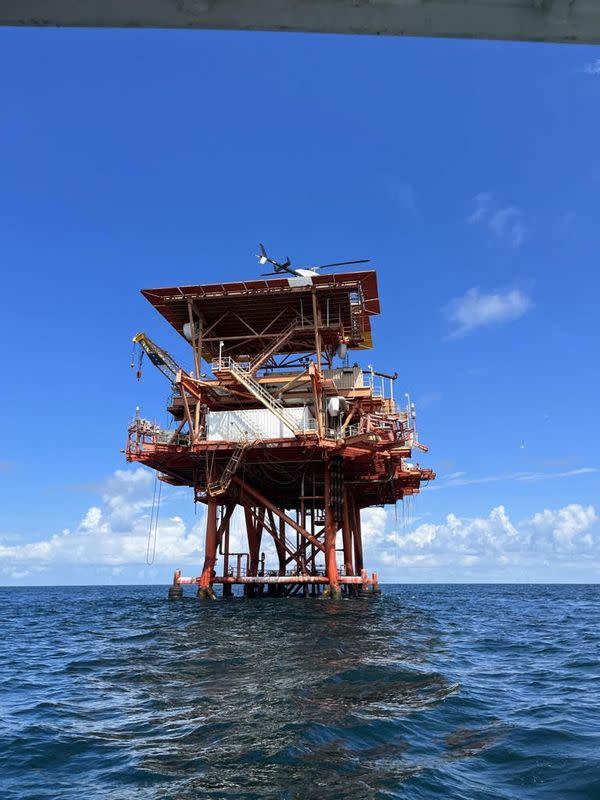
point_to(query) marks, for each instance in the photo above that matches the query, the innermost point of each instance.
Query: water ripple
(458, 692)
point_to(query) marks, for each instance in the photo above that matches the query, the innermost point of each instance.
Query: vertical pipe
(358, 549)
(251, 534)
(330, 536)
(302, 521)
(316, 328)
(347, 537)
(259, 527)
(194, 341)
(227, 591)
(313, 552)
(301, 517)
(281, 554)
(205, 589)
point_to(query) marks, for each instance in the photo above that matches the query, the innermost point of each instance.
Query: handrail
(227, 364)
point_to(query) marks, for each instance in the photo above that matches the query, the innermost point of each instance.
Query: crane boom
(159, 357)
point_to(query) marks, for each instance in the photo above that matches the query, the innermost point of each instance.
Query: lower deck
(283, 585)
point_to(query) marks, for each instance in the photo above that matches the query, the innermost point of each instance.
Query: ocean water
(466, 692)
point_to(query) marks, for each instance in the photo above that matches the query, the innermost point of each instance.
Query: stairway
(221, 486)
(228, 366)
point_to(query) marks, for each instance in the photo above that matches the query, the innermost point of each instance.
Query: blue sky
(469, 172)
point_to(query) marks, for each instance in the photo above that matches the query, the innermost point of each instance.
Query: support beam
(227, 591)
(254, 529)
(262, 500)
(317, 397)
(356, 535)
(316, 324)
(330, 537)
(205, 590)
(186, 408)
(195, 340)
(347, 537)
(281, 546)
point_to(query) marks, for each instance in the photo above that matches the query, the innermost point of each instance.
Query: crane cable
(153, 530)
(137, 350)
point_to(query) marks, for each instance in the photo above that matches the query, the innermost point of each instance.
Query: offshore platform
(286, 428)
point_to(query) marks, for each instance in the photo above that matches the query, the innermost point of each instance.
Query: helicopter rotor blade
(341, 263)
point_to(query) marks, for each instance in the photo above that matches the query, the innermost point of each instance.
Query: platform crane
(160, 358)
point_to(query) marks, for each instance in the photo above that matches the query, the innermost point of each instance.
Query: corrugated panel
(254, 424)
(345, 378)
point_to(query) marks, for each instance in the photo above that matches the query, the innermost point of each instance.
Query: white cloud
(592, 67)
(568, 527)
(112, 536)
(476, 308)
(506, 223)
(112, 533)
(487, 544)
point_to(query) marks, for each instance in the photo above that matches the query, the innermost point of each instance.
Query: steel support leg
(205, 590)
(357, 536)
(347, 538)
(254, 528)
(227, 589)
(333, 590)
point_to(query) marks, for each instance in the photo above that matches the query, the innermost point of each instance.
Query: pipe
(330, 536)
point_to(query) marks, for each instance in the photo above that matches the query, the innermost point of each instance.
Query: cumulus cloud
(551, 536)
(506, 223)
(112, 533)
(592, 67)
(568, 527)
(476, 308)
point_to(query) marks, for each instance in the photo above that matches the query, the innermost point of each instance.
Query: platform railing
(243, 376)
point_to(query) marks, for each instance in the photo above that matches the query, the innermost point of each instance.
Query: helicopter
(306, 272)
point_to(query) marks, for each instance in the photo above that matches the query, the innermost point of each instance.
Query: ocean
(462, 692)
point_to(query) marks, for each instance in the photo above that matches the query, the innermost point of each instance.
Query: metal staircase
(219, 487)
(229, 366)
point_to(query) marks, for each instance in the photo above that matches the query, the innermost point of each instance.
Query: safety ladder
(221, 486)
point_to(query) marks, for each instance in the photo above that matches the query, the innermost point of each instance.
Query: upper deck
(244, 317)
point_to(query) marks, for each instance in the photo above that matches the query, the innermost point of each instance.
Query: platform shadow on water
(300, 698)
